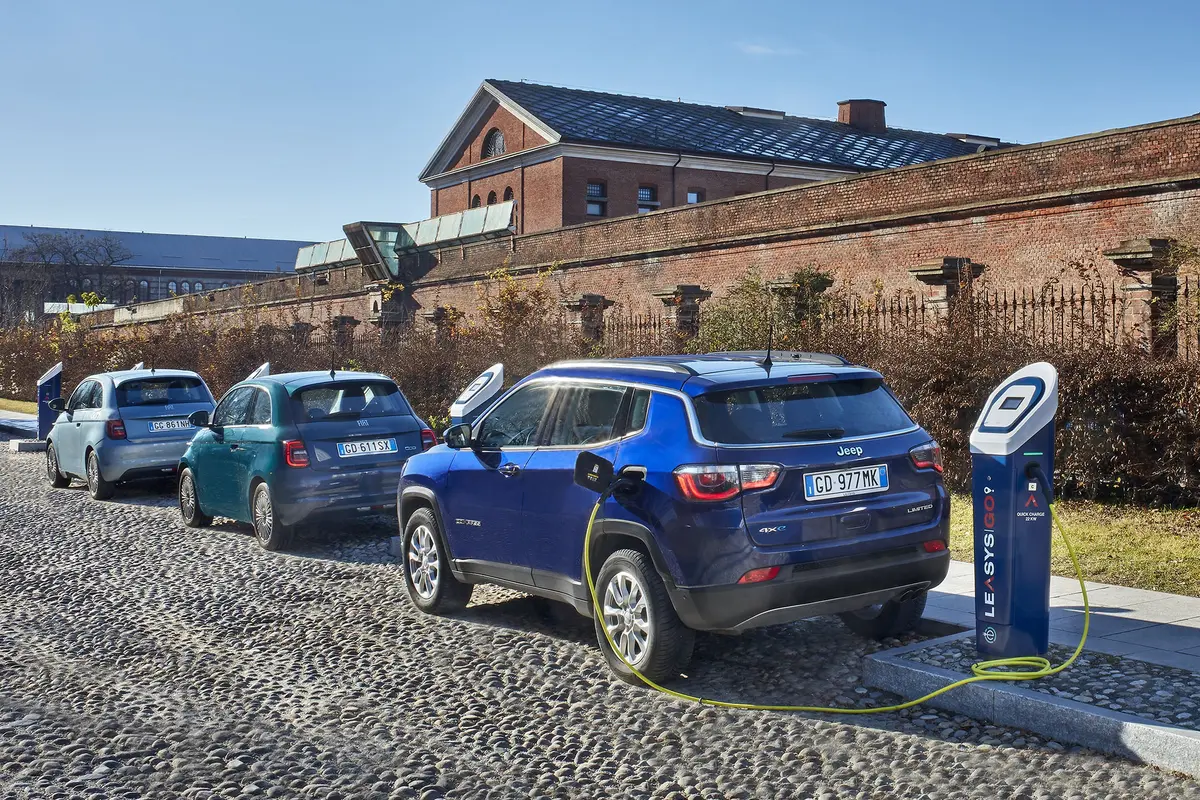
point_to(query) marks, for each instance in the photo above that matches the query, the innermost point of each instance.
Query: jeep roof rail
(783, 356)
(636, 362)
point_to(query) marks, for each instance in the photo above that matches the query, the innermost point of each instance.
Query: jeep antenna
(766, 362)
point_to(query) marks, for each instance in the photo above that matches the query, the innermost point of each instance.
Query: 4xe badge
(849, 451)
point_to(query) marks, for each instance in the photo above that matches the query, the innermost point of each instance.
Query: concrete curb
(1113, 732)
(26, 446)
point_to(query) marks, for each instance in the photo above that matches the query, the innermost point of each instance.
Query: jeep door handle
(509, 470)
(233, 447)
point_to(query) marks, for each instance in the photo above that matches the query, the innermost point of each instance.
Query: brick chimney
(866, 115)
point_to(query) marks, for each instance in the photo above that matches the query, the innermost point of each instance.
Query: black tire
(666, 648)
(56, 478)
(189, 502)
(888, 620)
(426, 565)
(270, 532)
(99, 488)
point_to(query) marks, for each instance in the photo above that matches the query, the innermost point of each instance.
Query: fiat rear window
(161, 392)
(350, 400)
(800, 412)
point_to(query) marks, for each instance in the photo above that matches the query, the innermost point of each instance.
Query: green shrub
(1129, 425)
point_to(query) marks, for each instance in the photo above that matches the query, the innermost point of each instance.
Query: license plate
(169, 425)
(366, 447)
(845, 482)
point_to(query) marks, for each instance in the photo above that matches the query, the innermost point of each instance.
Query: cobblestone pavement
(141, 659)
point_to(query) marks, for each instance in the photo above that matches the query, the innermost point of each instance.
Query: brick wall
(1031, 213)
(314, 298)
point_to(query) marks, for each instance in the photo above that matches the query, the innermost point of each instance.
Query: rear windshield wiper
(816, 433)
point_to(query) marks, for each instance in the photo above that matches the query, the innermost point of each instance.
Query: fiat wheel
(53, 475)
(99, 488)
(189, 503)
(270, 532)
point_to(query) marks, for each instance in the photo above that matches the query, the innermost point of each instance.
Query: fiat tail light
(294, 453)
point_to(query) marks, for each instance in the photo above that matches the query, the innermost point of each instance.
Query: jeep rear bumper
(811, 590)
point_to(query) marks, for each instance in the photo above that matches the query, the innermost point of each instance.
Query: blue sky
(288, 119)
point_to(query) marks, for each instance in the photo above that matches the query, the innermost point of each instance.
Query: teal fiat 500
(283, 449)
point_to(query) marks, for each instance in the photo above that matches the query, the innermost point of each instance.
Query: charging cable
(1021, 668)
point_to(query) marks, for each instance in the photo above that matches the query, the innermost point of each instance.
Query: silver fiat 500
(124, 426)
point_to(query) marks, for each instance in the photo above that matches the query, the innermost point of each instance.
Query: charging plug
(1034, 472)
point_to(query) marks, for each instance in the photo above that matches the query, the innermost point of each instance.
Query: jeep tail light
(294, 453)
(758, 476)
(759, 575)
(927, 456)
(428, 439)
(715, 482)
(115, 429)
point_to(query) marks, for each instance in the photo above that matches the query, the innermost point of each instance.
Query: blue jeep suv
(766, 492)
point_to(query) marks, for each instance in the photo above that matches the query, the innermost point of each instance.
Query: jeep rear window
(161, 392)
(800, 412)
(350, 400)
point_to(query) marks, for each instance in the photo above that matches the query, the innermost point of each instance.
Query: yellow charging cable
(999, 669)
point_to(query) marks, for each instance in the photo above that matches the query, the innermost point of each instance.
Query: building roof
(601, 118)
(179, 251)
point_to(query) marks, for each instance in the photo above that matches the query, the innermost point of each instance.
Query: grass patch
(24, 406)
(1129, 546)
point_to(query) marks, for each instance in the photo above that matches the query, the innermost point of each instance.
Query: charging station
(476, 397)
(1012, 454)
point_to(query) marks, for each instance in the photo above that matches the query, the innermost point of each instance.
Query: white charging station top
(1020, 407)
(481, 390)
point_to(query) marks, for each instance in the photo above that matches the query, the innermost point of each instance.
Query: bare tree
(52, 266)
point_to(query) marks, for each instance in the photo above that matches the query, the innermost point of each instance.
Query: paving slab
(18, 424)
(1158, 627)
(1119, 705)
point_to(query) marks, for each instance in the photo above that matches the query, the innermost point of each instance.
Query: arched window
(491, 198)
(508, 193)
(493, 143)
(172, 287)
(475, 201)
(199, 286)
(224, 285)
(187, 288)
(143, 290)
(128, 294)
(87, 284)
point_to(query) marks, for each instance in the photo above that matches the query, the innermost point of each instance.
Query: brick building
(1095, 209)
(568, 156)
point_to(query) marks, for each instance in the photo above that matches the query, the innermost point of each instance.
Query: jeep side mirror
(198, 419)
(593, 472)
(57, 404)
(458, 436)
